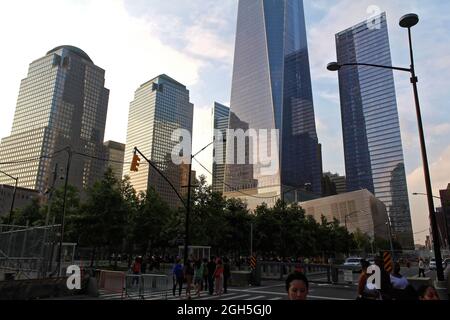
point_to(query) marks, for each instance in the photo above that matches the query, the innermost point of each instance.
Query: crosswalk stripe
(237, 297)
(256, 298)
(276, 299)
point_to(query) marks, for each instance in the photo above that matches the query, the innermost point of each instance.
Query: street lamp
(14, 195)
(408, 21)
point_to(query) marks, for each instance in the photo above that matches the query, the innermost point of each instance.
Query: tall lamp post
(408, 21)
(14, 195)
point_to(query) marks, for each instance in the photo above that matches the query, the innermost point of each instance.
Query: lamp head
(333, 66)
(409, 20)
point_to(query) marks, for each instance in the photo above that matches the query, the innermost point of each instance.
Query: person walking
(178, 277)
(226, 274)
(136, 270)
(218, 277)
(211, 271)
(189, 276)
(205, 275)
(198, 277)
(421, 268)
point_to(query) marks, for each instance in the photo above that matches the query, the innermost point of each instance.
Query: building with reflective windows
(160, 107)
(62, 102)
(371, 129)
(221, 116)
(115, 153)
(271, 90)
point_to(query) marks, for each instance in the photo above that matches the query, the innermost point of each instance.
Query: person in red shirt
(218, 276)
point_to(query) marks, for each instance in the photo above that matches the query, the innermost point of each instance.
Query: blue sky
(193, 41)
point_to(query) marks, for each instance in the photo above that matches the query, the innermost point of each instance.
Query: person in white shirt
(421, 268)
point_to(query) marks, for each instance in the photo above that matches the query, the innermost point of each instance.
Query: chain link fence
(32, 253)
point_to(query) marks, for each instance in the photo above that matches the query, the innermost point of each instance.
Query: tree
(150, 225)
(104, 216)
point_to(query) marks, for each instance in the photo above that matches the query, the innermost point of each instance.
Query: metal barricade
(133, 284)
(112, 282)
(154, 286)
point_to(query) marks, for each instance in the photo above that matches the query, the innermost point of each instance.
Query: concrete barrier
(240, 278)
(38, 289)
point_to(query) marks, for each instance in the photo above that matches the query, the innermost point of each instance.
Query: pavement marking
(214, 297)
(237, 297)
(264, 292)
(276, 299)
(256, 298)
(328, 298)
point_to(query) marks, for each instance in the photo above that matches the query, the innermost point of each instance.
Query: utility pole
(66, 182)
(47, 218)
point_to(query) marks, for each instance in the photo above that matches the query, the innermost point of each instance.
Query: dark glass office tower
(371, 129)
(62, 102)
(221, 116)
(272, 90)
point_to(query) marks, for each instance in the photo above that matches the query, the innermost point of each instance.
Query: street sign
(348, 276)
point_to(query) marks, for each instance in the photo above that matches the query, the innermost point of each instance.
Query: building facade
(62, 103)
(221, 116)
(160, 107)
(443, 217)
(23, 198)
(115, 153)
(358, 210)
(371, 129)
(339, 181)
(271, 90)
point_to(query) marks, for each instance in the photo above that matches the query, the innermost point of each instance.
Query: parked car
(354, 262)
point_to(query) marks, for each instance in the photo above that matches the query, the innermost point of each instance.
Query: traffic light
(135, 163)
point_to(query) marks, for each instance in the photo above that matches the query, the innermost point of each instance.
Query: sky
(193, 42)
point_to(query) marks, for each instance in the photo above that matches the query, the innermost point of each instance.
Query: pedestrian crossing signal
(135, 163)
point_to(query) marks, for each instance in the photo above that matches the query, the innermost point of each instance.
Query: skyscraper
(160, 107)
(221, 116)
(271, 90)
(62, 102)
(115, 153)
(371, 128)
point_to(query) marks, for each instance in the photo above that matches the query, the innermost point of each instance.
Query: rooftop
(72, 49)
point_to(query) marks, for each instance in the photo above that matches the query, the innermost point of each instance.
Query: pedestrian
(421, 268)
(136, 269)
(178, 277)
(189, 276)
(428, 293)
(297, 287)
(198, 276)
(205, 275)
(226, 274)
(386, 286)
(211, 270)
(398, 281)
(367, 291)
(144, 265)
(218, 277)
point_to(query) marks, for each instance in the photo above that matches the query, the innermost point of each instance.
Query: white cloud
(202, 136)
(128, 48)
(440, 178)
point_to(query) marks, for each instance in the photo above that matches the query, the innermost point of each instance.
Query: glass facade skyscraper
(371, 129)
(160, 107)
(221, 116)
(271, 90)
(62, 102)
